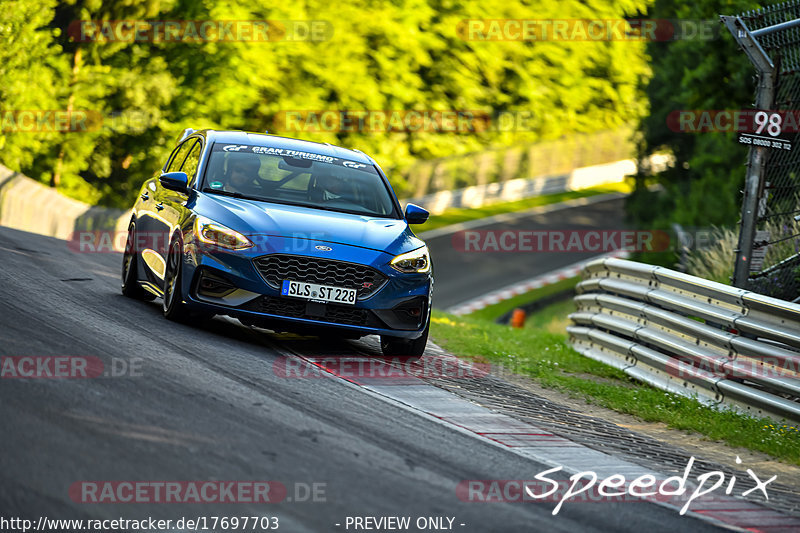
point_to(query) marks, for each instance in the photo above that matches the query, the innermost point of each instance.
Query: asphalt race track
(461, 276)
(205, 403)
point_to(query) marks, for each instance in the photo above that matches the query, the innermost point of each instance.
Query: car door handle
(145, 196)
(159, 206)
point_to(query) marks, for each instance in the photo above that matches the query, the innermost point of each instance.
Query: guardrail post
(765, 96)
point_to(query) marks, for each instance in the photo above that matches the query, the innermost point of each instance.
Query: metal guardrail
(690, 336)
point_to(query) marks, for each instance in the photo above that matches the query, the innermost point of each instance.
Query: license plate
(312, 291)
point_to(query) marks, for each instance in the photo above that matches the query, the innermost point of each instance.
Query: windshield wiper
(234, 194)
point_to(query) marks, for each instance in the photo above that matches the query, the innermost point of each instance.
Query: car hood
(253, 217)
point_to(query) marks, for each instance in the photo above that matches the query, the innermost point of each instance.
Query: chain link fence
(768, 255)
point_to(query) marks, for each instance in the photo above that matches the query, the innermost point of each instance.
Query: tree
(703, 186)
(379, 55)
(32, 67)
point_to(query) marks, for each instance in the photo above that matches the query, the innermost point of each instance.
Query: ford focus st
(288, 234)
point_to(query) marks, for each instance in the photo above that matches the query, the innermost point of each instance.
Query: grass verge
(549, 360)
(552, 318)
(457, 215)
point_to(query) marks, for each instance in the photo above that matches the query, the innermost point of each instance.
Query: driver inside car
(242, 174)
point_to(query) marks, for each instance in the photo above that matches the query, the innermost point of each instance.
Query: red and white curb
(506, 293)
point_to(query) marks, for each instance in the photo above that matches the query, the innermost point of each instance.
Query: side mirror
(415, 214)
(175, 181)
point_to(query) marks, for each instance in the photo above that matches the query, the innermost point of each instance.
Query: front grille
(294, 308)
(278, 267)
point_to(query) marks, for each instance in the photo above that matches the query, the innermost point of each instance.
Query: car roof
(287, 143)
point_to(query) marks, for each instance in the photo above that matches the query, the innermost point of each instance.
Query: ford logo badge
(322, 248)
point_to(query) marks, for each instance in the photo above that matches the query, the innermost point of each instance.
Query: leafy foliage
(703, 186)
(381, 55)
(31, 65)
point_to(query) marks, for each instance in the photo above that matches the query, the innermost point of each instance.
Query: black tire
(393, 346)
(130, 260)
(173, 306)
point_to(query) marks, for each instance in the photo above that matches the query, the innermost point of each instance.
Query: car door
(153, 225)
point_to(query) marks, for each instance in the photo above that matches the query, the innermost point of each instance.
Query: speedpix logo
(587, 487)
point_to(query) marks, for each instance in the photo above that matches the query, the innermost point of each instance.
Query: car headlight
(214, 233)
(415, 261)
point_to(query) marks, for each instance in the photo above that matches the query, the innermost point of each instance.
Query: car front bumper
(230, 283)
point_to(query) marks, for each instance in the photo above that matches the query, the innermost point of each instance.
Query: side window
(192, 160)
(171, 154)
(180, 155)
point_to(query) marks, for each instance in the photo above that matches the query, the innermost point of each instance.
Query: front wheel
(173, 306)
(130, 261)
(393, 346)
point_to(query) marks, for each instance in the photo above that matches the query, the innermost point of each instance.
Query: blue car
(280, 233)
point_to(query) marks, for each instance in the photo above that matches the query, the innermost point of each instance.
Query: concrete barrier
(517, 189)
(27, 205)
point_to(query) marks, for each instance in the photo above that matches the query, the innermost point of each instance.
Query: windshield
(297, 178)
